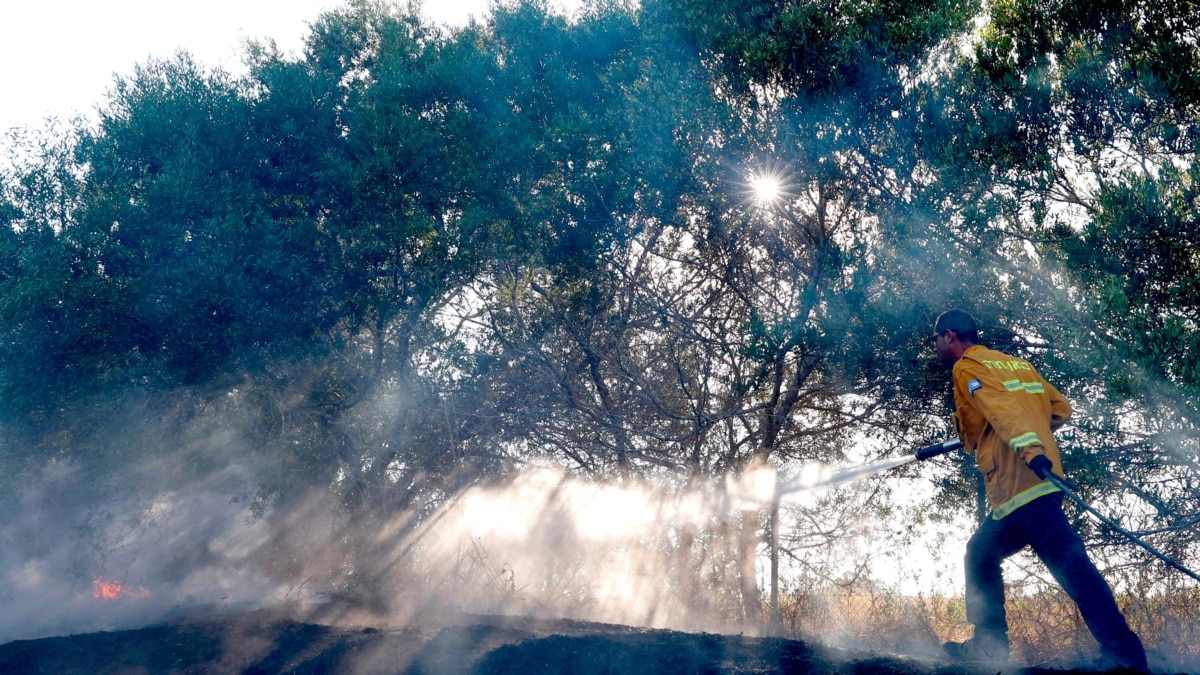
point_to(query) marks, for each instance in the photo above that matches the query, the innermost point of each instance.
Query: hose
(1069, 489)
(1063, 484)
(1125, 533)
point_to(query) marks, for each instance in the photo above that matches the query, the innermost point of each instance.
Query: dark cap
(960, 322)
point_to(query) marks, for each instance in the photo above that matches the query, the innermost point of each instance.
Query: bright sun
(766, 188)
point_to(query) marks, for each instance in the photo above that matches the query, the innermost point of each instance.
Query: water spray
(873, 468)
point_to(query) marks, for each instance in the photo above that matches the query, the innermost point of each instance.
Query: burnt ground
(266, 642)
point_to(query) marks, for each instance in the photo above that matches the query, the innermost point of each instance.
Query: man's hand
(1041, 465)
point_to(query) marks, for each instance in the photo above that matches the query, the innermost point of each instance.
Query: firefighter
(1006, 415)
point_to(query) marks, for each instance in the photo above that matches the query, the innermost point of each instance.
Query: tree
(1065, 143)
(411, 260)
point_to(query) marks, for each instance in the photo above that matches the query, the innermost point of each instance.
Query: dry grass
(1045, 628)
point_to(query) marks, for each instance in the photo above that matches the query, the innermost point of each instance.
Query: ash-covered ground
(283, 640)
(186, 582)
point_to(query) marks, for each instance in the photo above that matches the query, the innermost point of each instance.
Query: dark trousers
(1042, 525)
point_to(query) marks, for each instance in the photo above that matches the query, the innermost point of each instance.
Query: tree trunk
(748, 577)
(776, 625)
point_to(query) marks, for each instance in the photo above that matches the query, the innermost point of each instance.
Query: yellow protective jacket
(1006, 415)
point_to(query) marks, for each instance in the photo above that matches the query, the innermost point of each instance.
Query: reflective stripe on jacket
(1006, 416)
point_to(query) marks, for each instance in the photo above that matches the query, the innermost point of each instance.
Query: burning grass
(112, 590)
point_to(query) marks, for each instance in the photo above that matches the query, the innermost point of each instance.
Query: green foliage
(818, 49)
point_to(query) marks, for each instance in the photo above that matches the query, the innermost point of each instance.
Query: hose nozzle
(939, 449)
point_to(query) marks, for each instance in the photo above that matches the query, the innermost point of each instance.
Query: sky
(59, 57)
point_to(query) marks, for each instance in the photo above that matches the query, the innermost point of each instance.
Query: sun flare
(767, 188)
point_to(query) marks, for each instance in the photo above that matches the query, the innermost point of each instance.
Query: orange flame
(111, 590)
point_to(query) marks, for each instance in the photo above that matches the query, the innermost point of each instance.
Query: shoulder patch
(974, 386)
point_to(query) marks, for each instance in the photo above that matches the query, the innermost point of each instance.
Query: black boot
(1132, 661)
